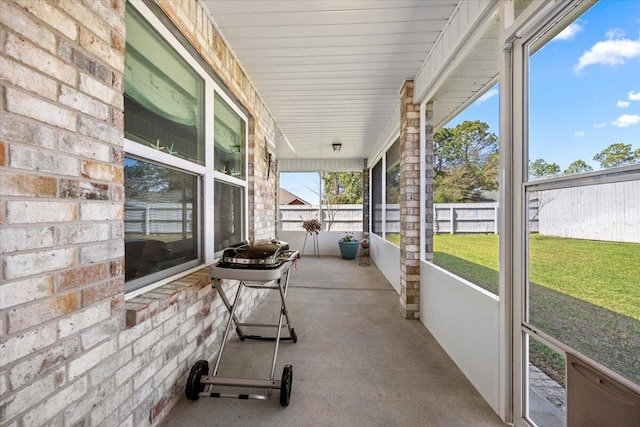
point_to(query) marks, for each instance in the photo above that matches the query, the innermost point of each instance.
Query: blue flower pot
(349, 250)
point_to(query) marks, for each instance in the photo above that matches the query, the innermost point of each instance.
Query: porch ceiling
(330, 70)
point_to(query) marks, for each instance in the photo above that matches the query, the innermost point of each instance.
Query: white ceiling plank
(332, 69)
(225, 7)
(360, 28)
(332, 40)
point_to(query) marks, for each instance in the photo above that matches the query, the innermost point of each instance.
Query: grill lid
(261, 254)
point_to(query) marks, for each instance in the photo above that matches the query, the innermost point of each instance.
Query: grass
(585, 293)
(606, 274)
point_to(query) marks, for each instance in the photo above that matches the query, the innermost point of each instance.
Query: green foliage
(342, 187)
(539, 168)
(616, 155)
(142, 179)
(579, 166)
(465, 162)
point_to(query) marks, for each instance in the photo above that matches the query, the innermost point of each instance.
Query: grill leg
(232, 317)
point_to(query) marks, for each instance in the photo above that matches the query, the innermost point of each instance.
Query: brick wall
(72, 351)
(409, 203)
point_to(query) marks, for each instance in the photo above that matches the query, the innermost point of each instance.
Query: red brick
(102, 291)
(28, 185)
(83, 276)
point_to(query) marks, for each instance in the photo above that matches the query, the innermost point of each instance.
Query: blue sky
(585, 88)
(584, 92)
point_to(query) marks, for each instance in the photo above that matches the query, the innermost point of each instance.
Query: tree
(539, 168)
(465, 162)
(579, 166)
(339, 188)
(616, 155)
(342, 187)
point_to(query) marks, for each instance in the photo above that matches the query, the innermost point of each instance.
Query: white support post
(452, 220)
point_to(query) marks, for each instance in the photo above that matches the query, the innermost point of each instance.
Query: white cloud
(600, 125)
(610, 52)
(634, 96)
(487, 95)
(614, 33)
(626, 120)
(579, 133)
(623, 104)
(569, 32)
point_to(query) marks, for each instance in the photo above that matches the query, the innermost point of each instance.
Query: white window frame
(532, 28)
(206, 174)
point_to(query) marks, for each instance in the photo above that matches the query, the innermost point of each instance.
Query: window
(185, 177)
(230, 166)
(229, 140)
(161, 218)
(376, 199)
(164, 97)
(581, 269)
(579, 293)
(392, 195)
(229, 215)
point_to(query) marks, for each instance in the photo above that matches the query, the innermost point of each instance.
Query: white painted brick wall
(13, 18)
(56, 403)
(111, 249)
(54, 17)
(84, 147)
(23, 291)
(84, 319)
(104, 93)
(81, 102)
(19, 75)
(90, 211)
(23, 157)
(28, 264)
(20, 239)
(82, 233)
(20, 130)
(26, 105)
(147, 341)
(99, 130)
(126, 371)
(28, 212)
(91, 358)
(25, 398)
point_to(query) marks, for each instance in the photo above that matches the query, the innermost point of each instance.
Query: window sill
(149, 304)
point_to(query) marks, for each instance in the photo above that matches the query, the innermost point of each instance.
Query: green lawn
(584, 293)
(606, 274)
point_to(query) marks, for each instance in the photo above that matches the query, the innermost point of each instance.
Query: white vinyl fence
(335, 218)
(449, 217)
(158, 218)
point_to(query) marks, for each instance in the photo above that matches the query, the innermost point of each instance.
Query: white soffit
(330, 70)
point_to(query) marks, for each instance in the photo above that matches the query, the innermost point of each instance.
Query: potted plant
(348, 246)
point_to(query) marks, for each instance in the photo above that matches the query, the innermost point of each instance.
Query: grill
(262, 265)
(263, 254)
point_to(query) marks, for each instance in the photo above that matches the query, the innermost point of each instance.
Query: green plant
(348, 237)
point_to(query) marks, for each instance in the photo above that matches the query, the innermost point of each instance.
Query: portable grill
(268, 254)
(256, 265)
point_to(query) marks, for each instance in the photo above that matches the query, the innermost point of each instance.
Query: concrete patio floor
(356, 362)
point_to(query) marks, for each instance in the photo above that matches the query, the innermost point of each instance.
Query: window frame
(205, 173)
(536, 29)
